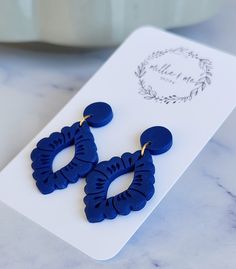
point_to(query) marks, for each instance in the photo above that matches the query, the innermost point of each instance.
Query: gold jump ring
(84, 119)
(144, 147)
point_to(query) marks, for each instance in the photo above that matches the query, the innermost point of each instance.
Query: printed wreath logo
(198, 84)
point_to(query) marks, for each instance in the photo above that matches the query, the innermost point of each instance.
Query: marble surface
(195, 225)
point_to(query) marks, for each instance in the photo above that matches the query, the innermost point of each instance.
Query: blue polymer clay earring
(95, 115)
(155, 140)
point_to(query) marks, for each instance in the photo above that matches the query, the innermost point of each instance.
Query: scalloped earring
(155, 140)
(95, 115)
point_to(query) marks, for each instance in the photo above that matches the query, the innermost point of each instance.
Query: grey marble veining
(34, 86)
(194, 227)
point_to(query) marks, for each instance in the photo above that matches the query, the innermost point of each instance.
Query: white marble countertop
(195, 225)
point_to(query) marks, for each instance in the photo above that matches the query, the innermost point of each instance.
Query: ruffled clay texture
(98, 207)
(84, 160)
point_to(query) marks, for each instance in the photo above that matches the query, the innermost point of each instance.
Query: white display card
(153, 78)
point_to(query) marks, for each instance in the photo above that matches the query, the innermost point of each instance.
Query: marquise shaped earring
(95, 115)
(155, 140)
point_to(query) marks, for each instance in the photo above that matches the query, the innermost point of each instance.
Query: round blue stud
(100, 114)
(159, 138)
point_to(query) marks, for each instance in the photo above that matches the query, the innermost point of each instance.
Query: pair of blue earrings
(155, 140)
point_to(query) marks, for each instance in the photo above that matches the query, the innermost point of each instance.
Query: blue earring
(85, 158)
(154, 141)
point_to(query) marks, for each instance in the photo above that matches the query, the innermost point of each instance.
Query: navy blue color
(160, 139)
(101, 114)
(98, 207)
(85, 151)
(47, 148)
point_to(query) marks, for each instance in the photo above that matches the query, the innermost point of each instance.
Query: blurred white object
(94, 22)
